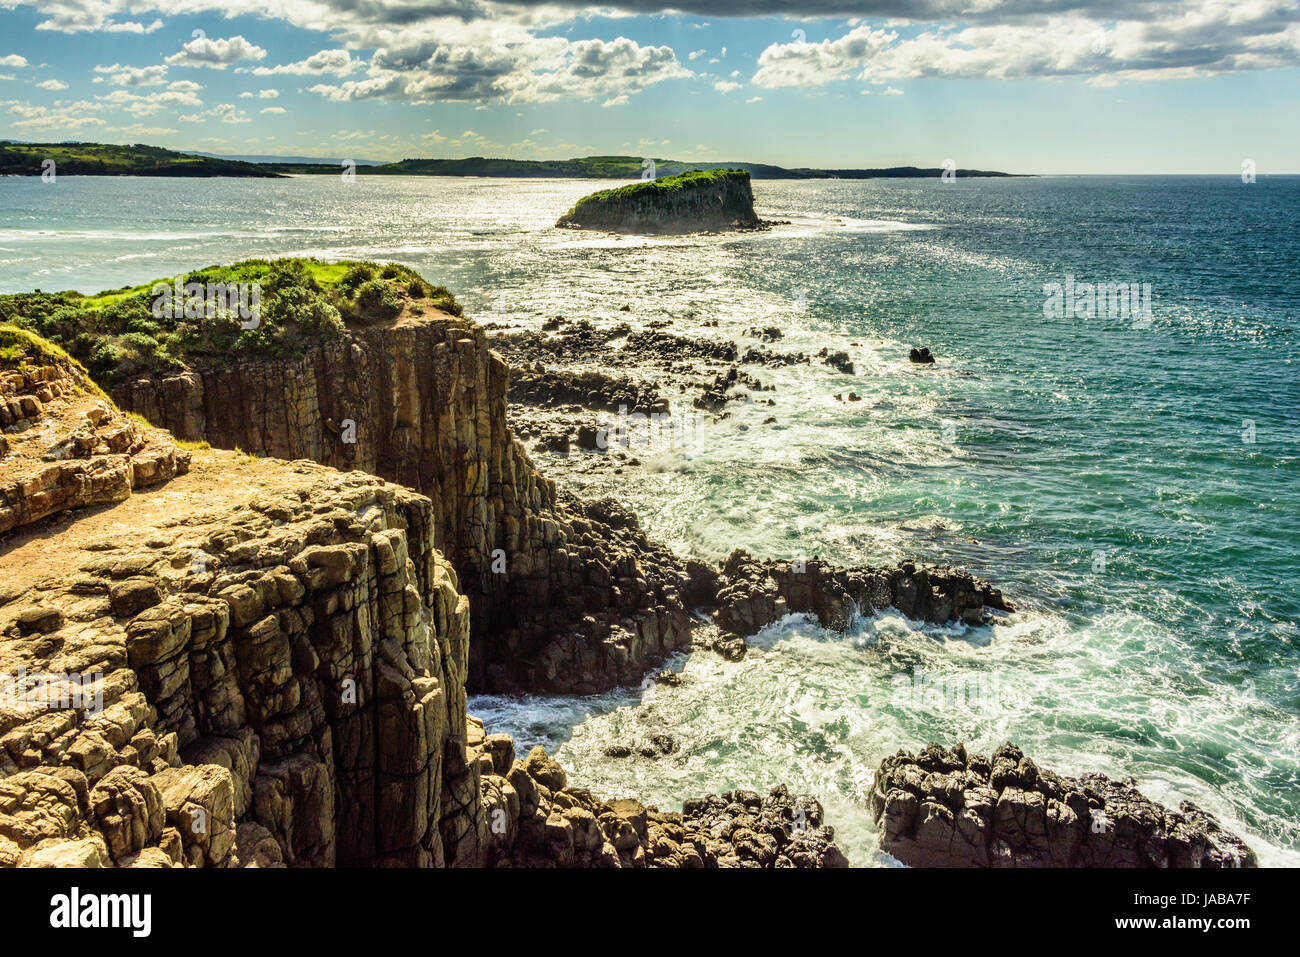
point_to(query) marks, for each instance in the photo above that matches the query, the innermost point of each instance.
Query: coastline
(409, 352)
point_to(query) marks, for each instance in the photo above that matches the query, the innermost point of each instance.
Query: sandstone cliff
(254, 662)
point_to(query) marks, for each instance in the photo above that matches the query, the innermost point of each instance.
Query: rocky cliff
(253, 662)
(566, 595)
(694, 202)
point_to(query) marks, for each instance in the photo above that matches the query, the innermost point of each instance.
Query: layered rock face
(63, 447)
(687, 203)
(947, 808)
(566, 596)
(281, 681)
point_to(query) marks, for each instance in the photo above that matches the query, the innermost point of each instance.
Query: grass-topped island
(703, 201)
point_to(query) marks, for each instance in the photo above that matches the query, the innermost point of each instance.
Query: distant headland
(108, 159)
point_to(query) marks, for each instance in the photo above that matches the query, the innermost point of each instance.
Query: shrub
(377, 299)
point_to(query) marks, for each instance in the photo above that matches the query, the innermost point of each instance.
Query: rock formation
(947, 808)
(693, 202)
(565, 595)
(252, 662)
(63, 446)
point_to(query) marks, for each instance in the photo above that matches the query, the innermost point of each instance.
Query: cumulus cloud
(216, 54)
(1203, 38)
(52, 85)
(528, 70)
(13, 60)
(119, 75)
(147, 104)
(62, 115)
(337, 62)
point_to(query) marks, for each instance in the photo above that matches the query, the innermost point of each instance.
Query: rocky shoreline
(946, 808)
(286, 632)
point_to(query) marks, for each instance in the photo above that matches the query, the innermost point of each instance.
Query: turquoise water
(1132, 482)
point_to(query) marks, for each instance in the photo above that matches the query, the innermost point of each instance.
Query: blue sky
(1019, 85)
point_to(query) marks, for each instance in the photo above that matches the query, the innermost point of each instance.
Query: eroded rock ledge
(62, 445)
(946, 808)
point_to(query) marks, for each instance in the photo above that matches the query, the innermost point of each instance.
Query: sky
(1028, 86)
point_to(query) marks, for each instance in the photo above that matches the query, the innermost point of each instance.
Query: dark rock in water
(752, 593)
(945, 808)
(767, 333)
(706, 200)
(920, 355)
(838, 360)
(730, 646)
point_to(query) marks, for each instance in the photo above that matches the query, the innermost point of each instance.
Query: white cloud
(52, 85)
(274, 109)
(1198, 38)
(63, 115)
(529, 70)
(726, 86)
(13, 60)
(216, 54)
(141, 105)
(133, 76)
(337, 62)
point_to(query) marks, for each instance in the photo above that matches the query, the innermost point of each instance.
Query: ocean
(1128, 475)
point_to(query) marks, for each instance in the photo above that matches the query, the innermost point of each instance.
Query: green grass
(111, 159)
(116, 335)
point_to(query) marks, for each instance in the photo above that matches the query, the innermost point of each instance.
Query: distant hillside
(622, 167)
(106, 159)
(275, 160)
(102, 159)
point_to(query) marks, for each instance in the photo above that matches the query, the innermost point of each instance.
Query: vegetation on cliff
(142, 329)
(110, 159)
(688, 202)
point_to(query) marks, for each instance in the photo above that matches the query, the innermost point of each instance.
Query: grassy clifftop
(288, 305)
(107, 159)
(689, 202)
